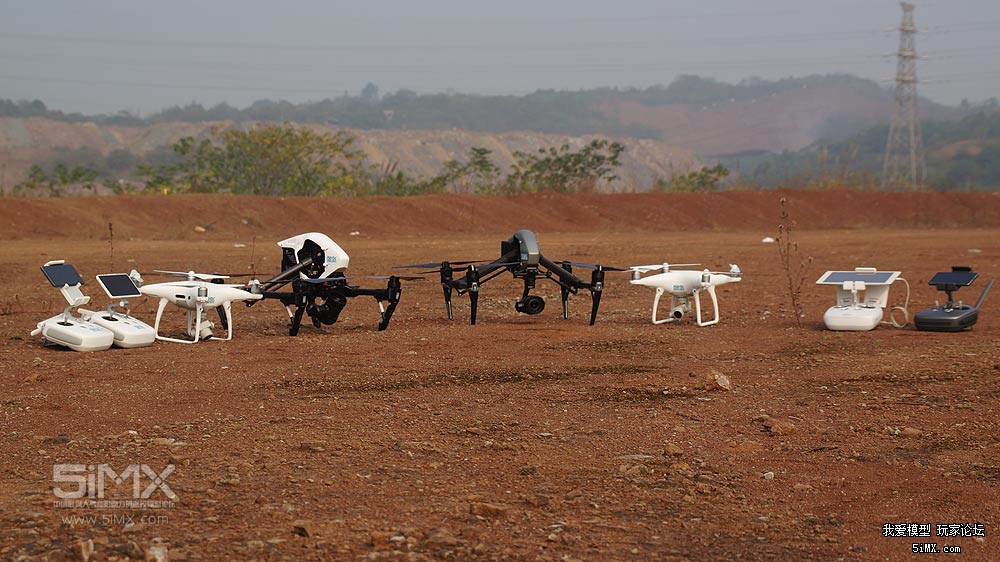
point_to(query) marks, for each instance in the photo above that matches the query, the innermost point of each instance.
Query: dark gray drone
(520, 255)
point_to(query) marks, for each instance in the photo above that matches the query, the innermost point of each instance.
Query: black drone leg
(472, 282)
(222, 317)
(564, 290)
(596, 289)
(293, 328)
(386, 316)
(395, 290)
(596, 295)
(222, 311)
(447, 301)
(474, 302)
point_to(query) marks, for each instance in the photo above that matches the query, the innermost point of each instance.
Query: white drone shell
(337, 259)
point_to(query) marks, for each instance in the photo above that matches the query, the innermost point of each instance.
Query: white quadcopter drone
(92, 331)
(195, 294)
(682, 285)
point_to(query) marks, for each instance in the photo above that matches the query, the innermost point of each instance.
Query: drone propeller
(439, 264)
(482, 268)
(490, 266)
(594, 266)
(320, 280)
(663, 266)
(734, 271)
(384, 277)
(191, 275)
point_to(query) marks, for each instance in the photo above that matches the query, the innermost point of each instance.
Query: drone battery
(851, 319)
(940, 319)
(129, 332)
(75, 334)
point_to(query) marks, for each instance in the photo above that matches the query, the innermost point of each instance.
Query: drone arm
(565, 276)
(285, 276)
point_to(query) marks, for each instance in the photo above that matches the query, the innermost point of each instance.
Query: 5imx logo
(92, 480)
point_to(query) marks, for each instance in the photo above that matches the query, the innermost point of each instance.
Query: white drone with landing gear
(196, 294)
(682, 285)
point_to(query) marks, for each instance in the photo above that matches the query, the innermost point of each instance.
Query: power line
(477, 46)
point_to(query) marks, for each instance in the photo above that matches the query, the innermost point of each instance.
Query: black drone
(520, 256)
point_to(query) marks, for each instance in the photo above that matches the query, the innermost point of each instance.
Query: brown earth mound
(241, 217)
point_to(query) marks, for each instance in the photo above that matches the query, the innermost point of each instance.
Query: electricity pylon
(904, 165)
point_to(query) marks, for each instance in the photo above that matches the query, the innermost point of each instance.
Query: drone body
(197, 295)
(312, 281)
(683, 285)
(522, 257)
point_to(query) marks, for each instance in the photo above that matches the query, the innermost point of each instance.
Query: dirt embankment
(228, 216)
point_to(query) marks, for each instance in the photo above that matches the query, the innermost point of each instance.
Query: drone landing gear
(199, 327)
(326, 300)
(679, 306)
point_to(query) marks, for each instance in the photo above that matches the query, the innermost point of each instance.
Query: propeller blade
(383, 277)
(191, 275)
(490, 266)
(438, 265)
(325, 280)
(594, 266)
(667, 266)
(487, 267)
(418, 265)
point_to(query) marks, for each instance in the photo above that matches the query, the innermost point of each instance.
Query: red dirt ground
(524, 437)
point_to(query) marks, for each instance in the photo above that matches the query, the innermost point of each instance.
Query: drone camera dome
(530, 304)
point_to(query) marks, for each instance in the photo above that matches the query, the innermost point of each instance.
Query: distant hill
(113, 150)
(703, 115)
(962, 154)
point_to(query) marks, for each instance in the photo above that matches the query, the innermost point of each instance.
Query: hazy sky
(101, 56)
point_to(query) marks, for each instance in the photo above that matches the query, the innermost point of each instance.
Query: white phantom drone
(682, 285)
(862, 295)
(197, 293)
(92, 331)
